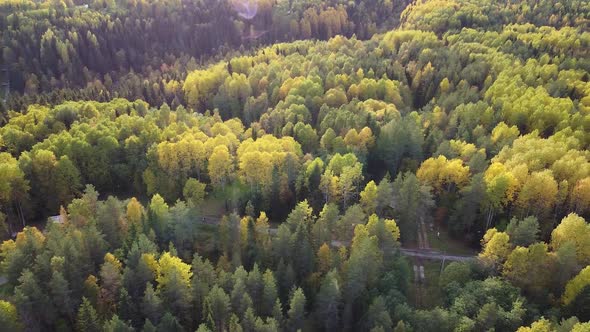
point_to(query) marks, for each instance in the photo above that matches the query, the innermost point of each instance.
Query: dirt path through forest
(419, 276)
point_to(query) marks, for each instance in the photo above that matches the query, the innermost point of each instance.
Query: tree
(496, 248)
(194, 192)
(151, 304)
(324, 259)
(302, 252)
(13, 185)
(455, 272)
(411, 203)
(158, 217)
(530, 268)
(135, 212)
(174, 284)
(117, 325)
(296, 310)
(60, 289)
(9, 319)
(302, 214)
(538, 194)
(110, 219)
(169, 323)
(66, 180)
(43, 164)
(386, 232)
(324, 227)
(217, 306)
(573, 228)
(501, 187)
(256, 169)
(466, 213)
(353, 216)
(239, 297)
(378, 315)
(348, 181)
(542, 325)
(399, 141)
(369, 198)
(442, 174)
(91, 290)
(580, 199)
(21, 253)
(329, 186)
(220, 166)
(575, 286)
(201, 283)
(523, 232)
(87, 319)
(363, 266)
(111, 281)
(577, 307)
(384, 194)
(262, 234)
(200, 86)
(32, 302)
(327, 308)
(306, 136)
(269, 293)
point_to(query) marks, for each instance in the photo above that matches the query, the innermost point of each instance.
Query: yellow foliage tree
(220, 166)
(575, 229)
(576, 285)
(443, 174)
(496, 248)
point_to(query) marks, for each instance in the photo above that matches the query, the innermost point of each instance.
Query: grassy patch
(213, 206)
(444, 243)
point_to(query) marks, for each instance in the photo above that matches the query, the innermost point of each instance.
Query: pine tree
(269, 293)
(217, 305)
(117, 325)
(169, 323)
(255, 284)
(297, 310)
(277, 313)
(148, 326)
(59, 288)
(328, 302)
(151, 304)
(87, 319)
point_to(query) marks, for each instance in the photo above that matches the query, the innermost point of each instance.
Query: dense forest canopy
(97, 50)
(262, 166)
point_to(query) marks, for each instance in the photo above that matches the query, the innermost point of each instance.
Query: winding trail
(419, 276)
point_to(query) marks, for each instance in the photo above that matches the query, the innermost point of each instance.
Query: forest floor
(420, 294)
(213, 206)
(441, 241)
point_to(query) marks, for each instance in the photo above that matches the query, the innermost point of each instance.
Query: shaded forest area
(98, 50)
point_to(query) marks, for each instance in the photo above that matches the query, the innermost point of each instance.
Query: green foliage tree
(87, 319)
(9, 317)
(297, 310)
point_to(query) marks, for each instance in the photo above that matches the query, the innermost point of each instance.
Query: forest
(260, 165)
